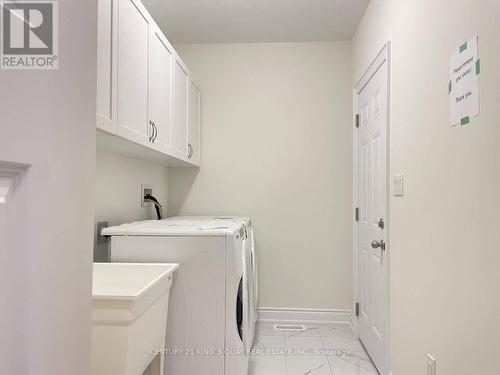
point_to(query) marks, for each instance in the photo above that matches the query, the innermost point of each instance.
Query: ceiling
(248, 21)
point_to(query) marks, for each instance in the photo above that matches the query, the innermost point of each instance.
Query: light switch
(398, 189)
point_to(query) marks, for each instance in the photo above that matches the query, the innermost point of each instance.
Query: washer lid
(221, 219)
(173, 228)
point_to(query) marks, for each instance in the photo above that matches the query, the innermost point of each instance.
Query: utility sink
(129, 316)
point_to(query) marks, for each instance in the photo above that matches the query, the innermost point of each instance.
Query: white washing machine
(210, 298)
(252, 259)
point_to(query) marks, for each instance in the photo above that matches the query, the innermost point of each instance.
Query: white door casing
(372, 197)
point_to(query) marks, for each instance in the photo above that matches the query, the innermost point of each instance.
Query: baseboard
(275, 314)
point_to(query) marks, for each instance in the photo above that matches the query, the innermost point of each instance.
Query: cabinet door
(133, 36)
(193, 122)
(160, 90)
(107, 38)
(180, 111)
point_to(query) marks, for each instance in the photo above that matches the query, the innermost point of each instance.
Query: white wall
(445, 234)
(118, 191)
(276, 146)
(47, 119)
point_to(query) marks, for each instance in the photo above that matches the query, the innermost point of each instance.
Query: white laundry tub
(129, 316)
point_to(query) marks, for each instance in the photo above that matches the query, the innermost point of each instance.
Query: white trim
(383, 56)
(389, 190)
(12, 170)
(276, 314)
(355, 203)
(9, 172)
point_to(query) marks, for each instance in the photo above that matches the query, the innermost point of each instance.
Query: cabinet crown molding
(9, 171)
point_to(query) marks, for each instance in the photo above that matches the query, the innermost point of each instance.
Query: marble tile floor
(322, 349)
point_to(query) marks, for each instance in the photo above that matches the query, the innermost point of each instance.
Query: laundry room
(249, 187)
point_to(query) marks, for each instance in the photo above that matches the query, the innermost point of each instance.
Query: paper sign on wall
(464, 83)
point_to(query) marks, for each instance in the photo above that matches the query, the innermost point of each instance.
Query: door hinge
(356, 309)
(356, 120)
(356, 213)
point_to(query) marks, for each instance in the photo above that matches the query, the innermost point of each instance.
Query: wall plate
(100, 239)
(146, 189)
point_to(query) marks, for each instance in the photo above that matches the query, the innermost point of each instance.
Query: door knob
(378, 244)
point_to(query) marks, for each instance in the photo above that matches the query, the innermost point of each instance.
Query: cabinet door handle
(156, 132)
(190, 151)
(151, 131)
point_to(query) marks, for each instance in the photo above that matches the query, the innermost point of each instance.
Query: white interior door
(372, 198)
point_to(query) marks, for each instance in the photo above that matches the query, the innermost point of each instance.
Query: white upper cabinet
(147, 104)
(193, 122)
(133, 54)
(161, 57)
(106, 66)
(180, 109)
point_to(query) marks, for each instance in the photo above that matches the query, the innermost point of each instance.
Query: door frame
(384, 56)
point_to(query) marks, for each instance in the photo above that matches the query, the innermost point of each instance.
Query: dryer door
(245, 295)
(252, 308)
(255, 270)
